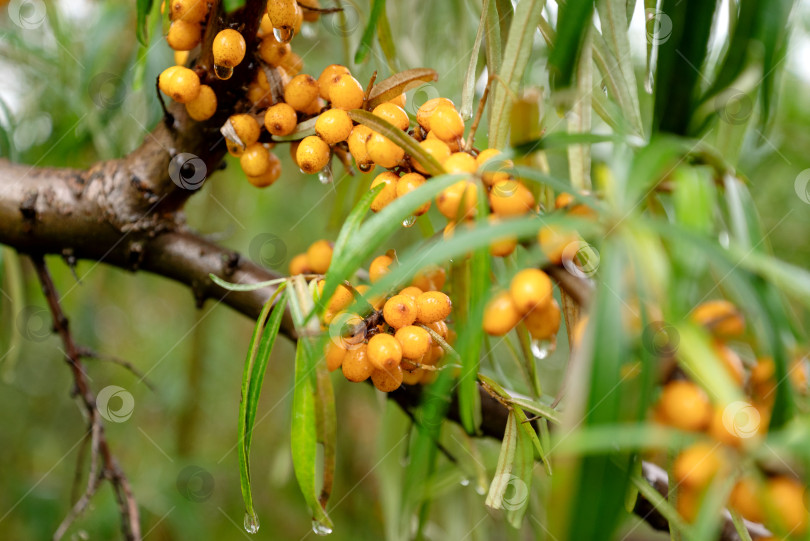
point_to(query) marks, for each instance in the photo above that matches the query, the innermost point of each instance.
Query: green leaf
(303, 129)
(702, 364)
(393, 86)
(579, 156)
(232, 5)
(327, 429)
(408, 143)
(468, 89)
(515, 59)
(261, 345)
(772, 32)
(244, 287)
(506, 459)
(492, 41)
(564, 56)
(363, 48)
(504, 15)
(522, 469)
(526, 426)
(386, 40)
(143, 8)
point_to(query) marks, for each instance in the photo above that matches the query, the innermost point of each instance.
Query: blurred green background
(77, 88)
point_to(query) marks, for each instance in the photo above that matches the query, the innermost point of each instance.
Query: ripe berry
(270, 176)
(312, 154)
(356, 366)
(380, 266)
(563, 200)
(180, 58)
(387, 380)
(341, 299)
(433, 306)
(346, 92)
(335, 353)
(292, 64)
(310, 15)
(446, 123)
(731, 361)
(328, 76)
(436, 148)
(696, 465)
(415, 341)
(246, 128)
(384, 152)
(301, 91)
(721, 318)
(554, 240)
(229, 48)
(500, 315)
(430, 278)
(425, 112)
(504, 246)
(388, 192)
(393, 114)
(333, 126)
(384, 352)
(255, 160)
(183, 36)
(272, 51)
(511, 198)
(530, 289)
(458, 201)
(720, 432)
(400, 310)
(439, 327)
(357, 145)
(179, 83)
(412, 377)
(744, 498)
(204, 105)
(544, 323)
(684, 405)
(787, 503)
(491, 177)
(265, 26)
(408, 183)
(191, 11)
(282, 14)
(411, 291)
(376, 302)
(300, 265)
(319, 256)
(460, 162)
(399, 101)
(452, 145)
(280, 119)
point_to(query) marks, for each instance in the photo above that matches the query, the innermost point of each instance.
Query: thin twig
(478, 114)
(368, 89)
(87, 353)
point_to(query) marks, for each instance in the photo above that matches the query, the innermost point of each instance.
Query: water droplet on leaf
(251, 523)
(409, 221)
(320, 528)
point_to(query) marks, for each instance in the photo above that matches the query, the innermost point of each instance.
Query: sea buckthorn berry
(180, 58)
(446, 123)
(319, 256)
(720, 317)
(282, 13)
(204, 105)
(544, 323)
(314, 108)
(786, 500)
(399, 101)
(554, 240)
(333, 126)
(719, 430)
(335, 353)
(328, 76)
(429, 376)
(452, 145)
(179, 83)
(301, 91)
(229, 48)
(688, 503)
(357, 144)
(312, 154)
(270, 176)
(356, 365)
(436, 148)
(299, 18)
(272, 51)
(183, 36)
(511, 198)
(380, 266)
(684, 405)
(300, 265)
(744, 499)
(731, 361)
(255, 160)
(415, 341)
(387, 380)
(393, 114)
(411, 291)
(433, 306)
(530, 289)
(265, 26)
(408, 183)
(491, 177)
(292, 64)
(696, 465)
(246, 128)
(460, 162)
(310, 15)
(388, 192)
(500, 315)
(191, 11)
(459, 200)
(502, 247)
(384, 351)
(376, 302)
(400, 310)
(280, 119)
(431, 278)
(341, 299)
(439, 327)
(382, 151)
(412, 377)
(426, 110)
(345, 92)
(564, 199)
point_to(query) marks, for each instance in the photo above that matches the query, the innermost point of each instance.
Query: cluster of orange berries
(529, 300)
(778, 501)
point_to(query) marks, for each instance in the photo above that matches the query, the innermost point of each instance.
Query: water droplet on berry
(409, 221)
(251, 523)
(223, 72)
(365, 167)
(320, 529)
(542, 348)
(325, 175)
(283, 35)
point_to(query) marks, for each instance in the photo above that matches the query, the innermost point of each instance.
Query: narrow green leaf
(393, 86)
(233, 5)
(468, 89)
(353, 221)
(303, 129)
(579, 156)
(141, 31)
(504, 16)
(664, 507)
(526, 426)
(565, 54)
(503, 472)
(244, 287)
(522, 469)
(772, 32)
(327, 429)
(492, 41)
(700, 362)
(386, 40)
(364, 47)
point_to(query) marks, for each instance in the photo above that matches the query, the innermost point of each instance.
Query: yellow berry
(191, 11)
(183, 36)
(458, 201)
(744, 498)
(554, 240)
(452, 145)
(265, 26)
(341, 299)
(280, 119)
(411, 291)
(229, 48)
(180, 58)
(436, 148)
(384, 152)
(312, 154)
(511, 198)
(393, 114)
(204, 105)
(356, 366)
(721, 317)
(412, 377)
(446, 123)
(400, 100)
(415, 341)
(301, 91)
(433, 306)
(255, 160)
(300, 265)
(346, 92)
(543, 323)
(335, 353)
(500, 315)
(384, 352)
(787, 502)
(408, 183)
(272, 51)
(310, 15)
(282, 13)
(490, 177)
(460, 162)
(503, 246)
(333, 126)
(431, 278)
(387, 380)
(329, 76)
(424, 113)
(530, 289)
(564, 199)
(246, 128)
(180, 84)
(696, 465)
(319, 256)
(357, 144)
(684, 405)
(380, 266)
(292, 64)
(270, 176)
(388, 192)
(399, 311)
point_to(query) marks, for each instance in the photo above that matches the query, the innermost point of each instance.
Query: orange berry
(688, 504)
(446, 123)
(720, 432)
(204, 105)
(380, 266)
(530, 289)
(400, 100)
(408, 183)
(300, 265)
(312, 154)
(491, 177)
(684, 405)
(356, 365)
(282, 13)
(744, 498)
(333, 126)
(500, 315)
(412, 377)
(502, 247)
(430, 278)
(270, 176)
(554, 240)
(387, 380)
(452, 145)
(301, 91)
(721, 318)
(384, 352)
(280, 119)
(191, 11)
(696, 465)
(511, 198)
(246, 128)
(459, 200)
(460, 162)
(393, 114)
(310, 15)
(319, 256)
(436, 148)
(255, 160)
(786, 500)
(388, 193)
(272, 51)
(183, 36)
(415, 341)
(433, 306)
(382, 151)
(291, 64)
(229, 48)
(425, 112)
(376, 302)
(179, 83)
(411, 291)
(357, 144)
(335, 353)
(400, 310)
(439, 327)
(564, 199)
(345, 92)
(180, 58)
(328, 76)
(341, 299)
(731, 361)
(544, 323)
